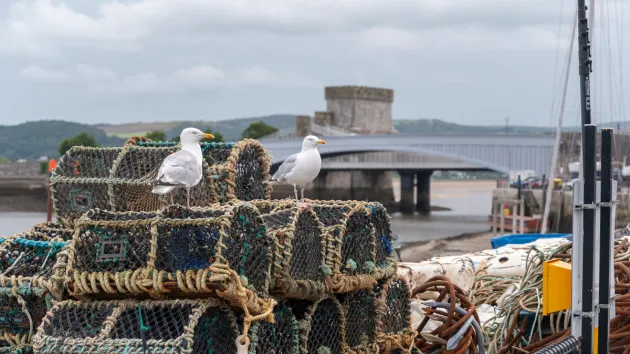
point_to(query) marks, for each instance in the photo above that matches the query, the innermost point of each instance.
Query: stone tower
(364, 110)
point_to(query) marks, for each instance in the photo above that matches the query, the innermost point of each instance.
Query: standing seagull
(184, 167)
(301, 168)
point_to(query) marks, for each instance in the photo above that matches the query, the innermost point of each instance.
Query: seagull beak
(208, 136)
(321, 142)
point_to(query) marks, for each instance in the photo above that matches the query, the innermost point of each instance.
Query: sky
(464, 61)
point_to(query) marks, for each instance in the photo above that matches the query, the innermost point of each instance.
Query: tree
(218, 137)
(257, 130)
(81, 139)
(156, 135)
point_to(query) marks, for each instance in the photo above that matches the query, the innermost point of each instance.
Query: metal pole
(589, 237)
(604, 244)
(587, 177)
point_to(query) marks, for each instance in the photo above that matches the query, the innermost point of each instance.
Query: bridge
(415, 157)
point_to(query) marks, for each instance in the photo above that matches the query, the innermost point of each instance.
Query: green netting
(282, 336)
(300, 255)
(360, 310)
(168, 326)
(321, 326)
(177, 252)
(118, 179)
(29, 260)
(6, 348)
(54, 230)
(21, 312)
(394, 330)
(359, 248)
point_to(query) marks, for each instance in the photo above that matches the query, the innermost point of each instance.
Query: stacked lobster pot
(126, 271)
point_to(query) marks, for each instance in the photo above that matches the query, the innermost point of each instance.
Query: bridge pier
(423, 192)
(406, 192)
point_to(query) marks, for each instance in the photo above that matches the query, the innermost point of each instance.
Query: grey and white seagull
(301, 168)
(182, 169)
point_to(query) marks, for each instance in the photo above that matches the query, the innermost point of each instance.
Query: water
(470, 202)
(13, 223)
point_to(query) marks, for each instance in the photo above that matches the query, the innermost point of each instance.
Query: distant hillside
(432, 126)
(42, 138)
(233, 128)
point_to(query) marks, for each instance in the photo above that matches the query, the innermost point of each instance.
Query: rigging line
(556, 79)
(593, 78)
(621, 85)
(554, 159)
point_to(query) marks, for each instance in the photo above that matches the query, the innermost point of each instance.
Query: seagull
(301, 168)
(184, 167)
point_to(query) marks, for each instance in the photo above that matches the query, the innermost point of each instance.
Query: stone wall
(364, 110)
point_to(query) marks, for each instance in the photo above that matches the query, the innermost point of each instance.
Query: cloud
(258, 76)
(44, 27)
(92, 74)
(194, 78)
(36, 73)
(200, 76)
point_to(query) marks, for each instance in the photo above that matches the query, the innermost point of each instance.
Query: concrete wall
(22, 187)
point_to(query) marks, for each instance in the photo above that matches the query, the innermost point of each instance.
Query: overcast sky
(465, 61)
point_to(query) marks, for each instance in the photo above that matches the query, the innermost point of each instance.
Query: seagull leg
(301, 203)
(188, 197)
(172, 200)
(295, 190)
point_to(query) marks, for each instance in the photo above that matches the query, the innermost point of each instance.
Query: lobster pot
(78, 183)
(282, 336)
(299, 259)
(321, 326)
(6, 348)
(394, 328)
(21, 312)
(236, 170)
(164, 326)
(359, 247)
(27, 261)
(119, 179)
(54, 230)
(360, 310)
(177, 252)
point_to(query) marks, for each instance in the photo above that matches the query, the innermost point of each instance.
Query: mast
(587, 179)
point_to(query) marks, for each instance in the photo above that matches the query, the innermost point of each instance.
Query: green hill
(42, 138)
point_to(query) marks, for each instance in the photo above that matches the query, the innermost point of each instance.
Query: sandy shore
(462, 244)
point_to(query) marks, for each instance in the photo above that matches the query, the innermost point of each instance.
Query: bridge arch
(458, 162)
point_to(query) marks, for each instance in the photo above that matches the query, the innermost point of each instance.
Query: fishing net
(359, 249)
(54, 230)
(6, 348)
(163, 326)
(360, 309)
(282, 336)
(177, 252)
(321, 326)
(393, 322)
(118, 179)
(21, 312)
(299, 266)
(29, 260)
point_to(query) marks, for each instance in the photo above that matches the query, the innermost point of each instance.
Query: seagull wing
(286, 168)
(179, 168)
